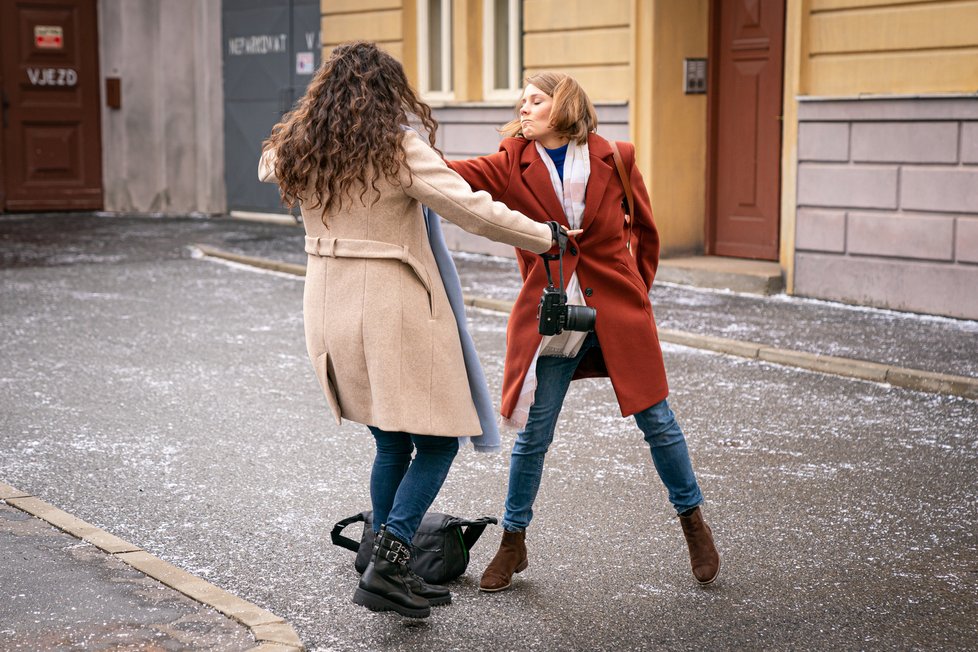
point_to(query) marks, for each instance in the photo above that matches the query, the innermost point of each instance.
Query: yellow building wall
(854, 47)
(587, 40)
(668, 126)
(467, 50)
(794, 48)
(371, 20)
(868, 47)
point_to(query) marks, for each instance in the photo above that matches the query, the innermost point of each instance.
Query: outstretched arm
(430, 181)
(266, 167)
(487, 173)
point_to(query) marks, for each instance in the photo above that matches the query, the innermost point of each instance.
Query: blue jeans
(402, 490)
(658, 423)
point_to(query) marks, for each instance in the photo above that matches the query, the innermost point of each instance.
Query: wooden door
(50, 144)
(747, 55)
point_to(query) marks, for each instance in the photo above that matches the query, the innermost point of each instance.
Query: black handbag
(440, 546)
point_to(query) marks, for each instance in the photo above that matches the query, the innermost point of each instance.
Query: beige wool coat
(379, 328)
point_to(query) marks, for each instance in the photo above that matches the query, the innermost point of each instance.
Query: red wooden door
(747, 51)
(50, 144)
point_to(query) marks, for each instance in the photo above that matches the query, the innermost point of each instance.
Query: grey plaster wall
(888, 203)
(470, 130)
(163, 151)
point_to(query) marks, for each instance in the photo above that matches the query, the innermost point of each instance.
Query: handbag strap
(627, 185)
(342, 541)
(474, 529)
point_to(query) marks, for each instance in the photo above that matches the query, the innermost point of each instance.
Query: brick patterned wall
(888, 203)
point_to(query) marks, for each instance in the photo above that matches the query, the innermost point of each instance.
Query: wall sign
(52, 76)
(258, 44)
(49, 37)
(305, 63)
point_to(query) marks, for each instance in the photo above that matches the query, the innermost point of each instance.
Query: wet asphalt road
(169, 401)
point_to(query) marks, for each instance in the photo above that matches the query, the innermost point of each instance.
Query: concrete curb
(252, 261)
(271, 632)
(916, 379)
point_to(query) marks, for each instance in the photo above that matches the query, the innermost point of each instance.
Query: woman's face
(535, 108)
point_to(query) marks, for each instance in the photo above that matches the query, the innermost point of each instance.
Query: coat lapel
(597, 183)
(537, 179)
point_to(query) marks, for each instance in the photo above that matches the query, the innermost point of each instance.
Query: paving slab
(60, 593)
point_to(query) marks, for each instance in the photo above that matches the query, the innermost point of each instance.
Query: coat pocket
(325, 375)
(418, 272)
(636, 281)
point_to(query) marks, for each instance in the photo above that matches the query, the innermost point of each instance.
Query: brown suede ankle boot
(509, 559)
(703, 555)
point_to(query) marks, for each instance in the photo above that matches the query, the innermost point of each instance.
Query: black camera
(553, 313)
(556, 316)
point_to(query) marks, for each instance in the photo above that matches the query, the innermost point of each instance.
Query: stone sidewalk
(69, 585)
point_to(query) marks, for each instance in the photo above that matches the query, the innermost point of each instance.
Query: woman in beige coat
(380, 331)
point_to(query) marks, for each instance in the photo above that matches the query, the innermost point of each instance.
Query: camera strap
(560, 266)
(560, 236)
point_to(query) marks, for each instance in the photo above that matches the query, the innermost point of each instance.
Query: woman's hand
(560, 234)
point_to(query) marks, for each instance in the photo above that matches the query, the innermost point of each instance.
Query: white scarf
(577, 170)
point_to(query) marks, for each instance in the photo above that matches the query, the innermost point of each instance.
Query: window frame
(424, 59)
(514, 40)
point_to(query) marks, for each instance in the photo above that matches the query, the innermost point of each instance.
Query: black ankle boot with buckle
(436, 594)
(386, 584)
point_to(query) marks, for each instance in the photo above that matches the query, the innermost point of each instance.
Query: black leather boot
(436, 594)
(385, 586)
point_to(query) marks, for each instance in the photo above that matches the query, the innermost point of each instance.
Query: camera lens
(580, 318)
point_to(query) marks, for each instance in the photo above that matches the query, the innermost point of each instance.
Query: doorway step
(722, 273)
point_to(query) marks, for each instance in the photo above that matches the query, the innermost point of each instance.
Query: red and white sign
(49, 37)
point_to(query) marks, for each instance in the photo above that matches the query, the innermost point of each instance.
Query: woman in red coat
(552, 166)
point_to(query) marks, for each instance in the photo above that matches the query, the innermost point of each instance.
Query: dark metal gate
(271, 49)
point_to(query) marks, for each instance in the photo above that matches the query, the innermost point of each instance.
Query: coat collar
(537, 178)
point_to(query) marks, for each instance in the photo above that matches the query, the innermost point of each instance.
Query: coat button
(588, 292)
(573, 251)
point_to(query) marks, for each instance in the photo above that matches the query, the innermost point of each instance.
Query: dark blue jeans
(402, 489)
(658, 423)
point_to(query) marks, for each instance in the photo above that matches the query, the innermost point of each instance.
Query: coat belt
(349, 248)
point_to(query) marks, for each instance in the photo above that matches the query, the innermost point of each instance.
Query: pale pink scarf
(577, 169)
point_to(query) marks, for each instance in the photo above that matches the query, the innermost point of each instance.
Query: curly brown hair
(346, 131)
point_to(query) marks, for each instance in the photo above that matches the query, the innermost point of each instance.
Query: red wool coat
(613, 282)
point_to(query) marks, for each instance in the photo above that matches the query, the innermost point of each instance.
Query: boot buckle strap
(401, 550)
